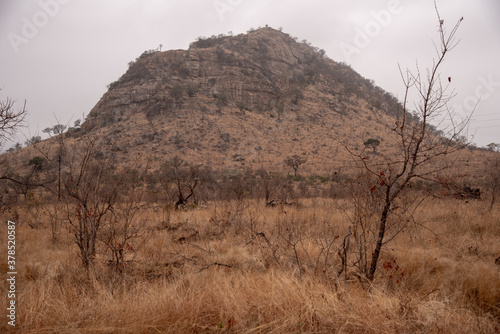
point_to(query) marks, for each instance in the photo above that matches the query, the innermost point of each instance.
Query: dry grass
(205, 270)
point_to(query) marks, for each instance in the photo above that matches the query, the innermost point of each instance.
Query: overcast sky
(59, 55)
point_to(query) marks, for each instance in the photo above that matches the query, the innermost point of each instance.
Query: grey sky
(59, 55)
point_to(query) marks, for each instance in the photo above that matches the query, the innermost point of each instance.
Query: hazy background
(61, 68)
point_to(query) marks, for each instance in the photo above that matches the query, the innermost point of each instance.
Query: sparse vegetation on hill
(271, 79)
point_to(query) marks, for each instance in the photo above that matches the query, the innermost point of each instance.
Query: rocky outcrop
(263, 70)
(242, 101)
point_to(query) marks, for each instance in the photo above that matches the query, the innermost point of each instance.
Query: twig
(215, 264)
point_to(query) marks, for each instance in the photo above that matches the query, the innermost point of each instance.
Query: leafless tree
(184, 178)
(420, 148)
(10, 119)
(123, 233)
(269, 183)
(492, 173)
(91, 191)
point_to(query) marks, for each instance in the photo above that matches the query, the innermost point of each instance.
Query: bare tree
(492, 173)
(420, 148)
(91, 192)
(184, 178)
(10, 119)
(124, 233)
(269, 183)
(32, 178)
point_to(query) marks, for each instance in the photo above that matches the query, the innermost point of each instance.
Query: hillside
(169, 210)
(239, 101)
(249, 100)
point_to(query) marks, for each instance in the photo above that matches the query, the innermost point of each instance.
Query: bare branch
(10, 119)
(421, 147)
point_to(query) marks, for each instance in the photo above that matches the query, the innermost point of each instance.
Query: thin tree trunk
(380, 240)
(493, 195)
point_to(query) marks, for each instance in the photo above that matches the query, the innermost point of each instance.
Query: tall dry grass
(207, 271)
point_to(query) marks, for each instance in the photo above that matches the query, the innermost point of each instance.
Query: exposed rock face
(258, 97)
(260, 71)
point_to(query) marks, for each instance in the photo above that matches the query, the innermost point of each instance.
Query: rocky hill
(249, 100)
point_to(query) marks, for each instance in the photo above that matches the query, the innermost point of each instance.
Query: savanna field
(168, 209)
(240, 266)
